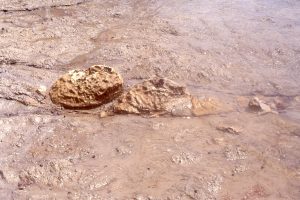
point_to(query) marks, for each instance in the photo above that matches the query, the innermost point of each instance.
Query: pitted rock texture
(161, 96)
(155, 96)
(89, 88)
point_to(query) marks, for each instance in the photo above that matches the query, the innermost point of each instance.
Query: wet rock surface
(155, 96)
(225, 53)
(87, 88)
(161, 96)
(205, 106)
(256, 105)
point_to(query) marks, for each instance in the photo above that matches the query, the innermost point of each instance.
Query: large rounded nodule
(80, 89)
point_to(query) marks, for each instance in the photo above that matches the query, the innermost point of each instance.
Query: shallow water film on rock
(156, 100)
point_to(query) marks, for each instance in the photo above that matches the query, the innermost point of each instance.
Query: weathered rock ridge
(160, 96)
(98, 85)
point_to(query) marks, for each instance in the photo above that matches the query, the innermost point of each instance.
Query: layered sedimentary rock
(87, 88)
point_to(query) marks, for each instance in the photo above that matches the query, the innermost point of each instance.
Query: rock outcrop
(160, 96)
(87, 88)
(155, 96)
(98, 85)
(256, 105)
(205, 106)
